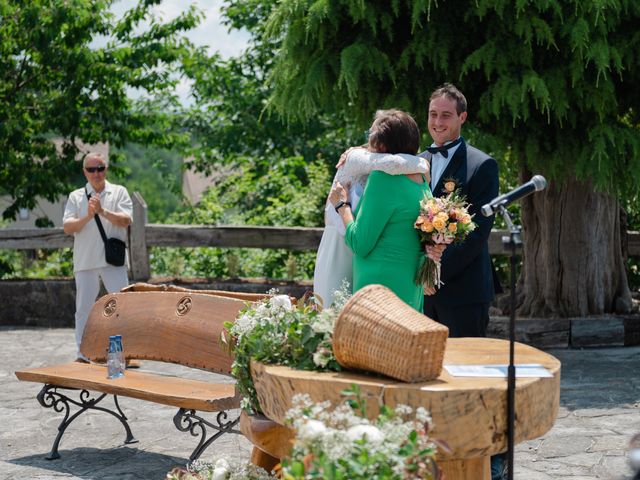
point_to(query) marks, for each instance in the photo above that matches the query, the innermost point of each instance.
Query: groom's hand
(434, 252)
(429, 290)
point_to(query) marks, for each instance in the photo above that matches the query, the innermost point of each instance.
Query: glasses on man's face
(100, 169)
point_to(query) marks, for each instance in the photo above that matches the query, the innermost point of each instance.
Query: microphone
(536, 184)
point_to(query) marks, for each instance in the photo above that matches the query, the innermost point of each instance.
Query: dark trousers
(466, 321)
(462, 321)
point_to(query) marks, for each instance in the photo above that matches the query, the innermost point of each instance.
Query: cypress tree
(554, 80)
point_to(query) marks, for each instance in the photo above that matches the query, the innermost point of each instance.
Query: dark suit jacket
(467, 271)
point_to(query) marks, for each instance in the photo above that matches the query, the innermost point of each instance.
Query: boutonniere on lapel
(449, 185)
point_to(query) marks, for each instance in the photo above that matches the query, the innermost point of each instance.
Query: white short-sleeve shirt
(88, 246)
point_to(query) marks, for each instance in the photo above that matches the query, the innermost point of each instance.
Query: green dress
(385, 244)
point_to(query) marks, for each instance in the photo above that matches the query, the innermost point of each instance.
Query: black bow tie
(444, 149)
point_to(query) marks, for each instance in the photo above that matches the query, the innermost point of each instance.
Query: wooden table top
(469, 413)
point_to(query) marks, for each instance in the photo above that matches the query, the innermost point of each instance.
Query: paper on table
(522, 370)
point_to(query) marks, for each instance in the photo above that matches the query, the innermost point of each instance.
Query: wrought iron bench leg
(50, 397)
(187, 421)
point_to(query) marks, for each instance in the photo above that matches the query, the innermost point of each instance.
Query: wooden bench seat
(166, 390)
(182, 327)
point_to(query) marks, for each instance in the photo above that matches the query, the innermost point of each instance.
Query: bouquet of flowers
(443, 220)
(219, 469)
(344, 443)
(277, 331)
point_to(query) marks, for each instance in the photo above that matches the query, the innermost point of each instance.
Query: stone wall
(37, 303)
(51, 304)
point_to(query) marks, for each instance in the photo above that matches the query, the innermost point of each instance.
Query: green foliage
(229, 118)
(632, 209)
(39, 263)
(553, 79)
(156, 174)
(55, 83)
(278, 192)
(344, 444)
(228, 121)
(274, 331)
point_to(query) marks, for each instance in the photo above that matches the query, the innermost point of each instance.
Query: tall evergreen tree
(555, 80)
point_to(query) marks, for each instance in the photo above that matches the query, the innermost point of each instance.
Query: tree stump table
(469, 413)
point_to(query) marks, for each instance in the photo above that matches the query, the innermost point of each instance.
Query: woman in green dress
(385, 244)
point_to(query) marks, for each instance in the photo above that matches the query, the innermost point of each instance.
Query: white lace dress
(333, 261)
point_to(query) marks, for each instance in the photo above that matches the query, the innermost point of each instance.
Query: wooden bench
(182, 327)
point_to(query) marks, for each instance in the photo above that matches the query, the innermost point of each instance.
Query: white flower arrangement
(276, 331)
(344, 442)
(219, 469)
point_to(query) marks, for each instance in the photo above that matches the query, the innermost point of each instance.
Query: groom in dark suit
(462, 303)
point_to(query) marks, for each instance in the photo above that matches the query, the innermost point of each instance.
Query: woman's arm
(339, 201)
(362, 162)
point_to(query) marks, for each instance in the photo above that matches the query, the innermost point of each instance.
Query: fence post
(138, 252)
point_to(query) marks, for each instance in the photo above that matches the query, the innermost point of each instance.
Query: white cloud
(210, 33)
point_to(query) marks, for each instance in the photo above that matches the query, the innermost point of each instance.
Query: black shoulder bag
(114, 248)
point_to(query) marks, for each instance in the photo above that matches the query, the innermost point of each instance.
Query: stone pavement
(599, 413)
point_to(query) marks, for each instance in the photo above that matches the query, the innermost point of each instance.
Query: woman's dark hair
(394, 131)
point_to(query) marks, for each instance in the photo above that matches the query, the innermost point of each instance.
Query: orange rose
(453, 227)
(439, 223)
(426, 227)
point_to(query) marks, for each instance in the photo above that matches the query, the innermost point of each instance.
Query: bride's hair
(394, 131)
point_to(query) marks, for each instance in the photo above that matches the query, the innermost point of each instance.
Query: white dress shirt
(439, 163)
(88, 246)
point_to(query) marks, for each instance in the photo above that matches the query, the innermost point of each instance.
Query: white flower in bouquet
(244, 323)
(343, 441)
(282, 302)
(220, 470)
(341, 296)
(311, 430)
(325, 322)
(277, 331)
(322, 357)
(370, 433)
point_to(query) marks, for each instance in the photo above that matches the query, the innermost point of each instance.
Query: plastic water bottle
(122, 363)
(113, 359)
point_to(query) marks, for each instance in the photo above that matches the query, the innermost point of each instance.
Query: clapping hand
(94, 205)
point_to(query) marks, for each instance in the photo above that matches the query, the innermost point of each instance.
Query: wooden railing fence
(143, 235)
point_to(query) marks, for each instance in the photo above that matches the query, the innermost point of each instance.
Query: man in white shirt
(113, 205)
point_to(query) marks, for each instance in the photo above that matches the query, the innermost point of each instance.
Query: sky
(210, 32)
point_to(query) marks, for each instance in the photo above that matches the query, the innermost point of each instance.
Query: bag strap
(98, 221)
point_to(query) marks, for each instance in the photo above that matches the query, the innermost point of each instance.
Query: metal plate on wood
(110, 307)
(184, 305)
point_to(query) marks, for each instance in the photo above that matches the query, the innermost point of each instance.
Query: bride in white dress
(333, 261)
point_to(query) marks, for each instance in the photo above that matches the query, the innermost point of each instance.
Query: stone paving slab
(599, 413)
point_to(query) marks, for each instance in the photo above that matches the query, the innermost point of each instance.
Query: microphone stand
(511, 243)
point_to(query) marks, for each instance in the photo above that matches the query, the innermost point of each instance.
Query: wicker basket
(378, 332)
